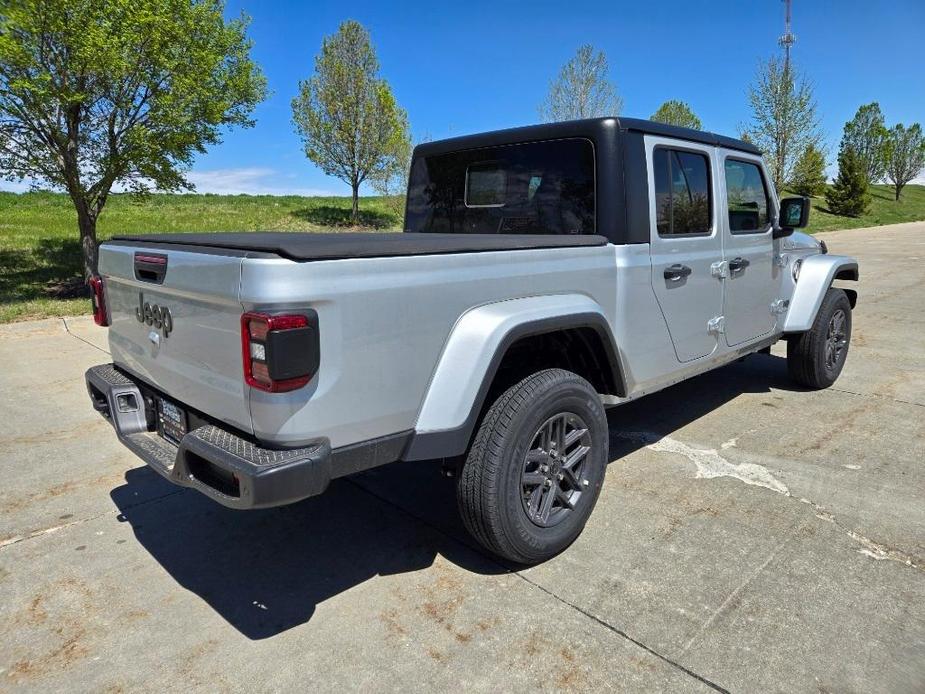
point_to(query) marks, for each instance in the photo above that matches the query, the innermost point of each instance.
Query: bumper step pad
(232, 470)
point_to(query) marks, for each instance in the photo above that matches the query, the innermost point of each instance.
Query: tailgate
(195, 355)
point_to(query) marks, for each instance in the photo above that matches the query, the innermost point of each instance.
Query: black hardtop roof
(597, 129)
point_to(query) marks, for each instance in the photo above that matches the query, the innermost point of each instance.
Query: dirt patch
(66, 631)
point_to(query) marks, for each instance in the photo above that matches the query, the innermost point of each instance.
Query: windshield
(531, 188)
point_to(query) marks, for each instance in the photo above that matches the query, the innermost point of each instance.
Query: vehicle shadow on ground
(266, 571)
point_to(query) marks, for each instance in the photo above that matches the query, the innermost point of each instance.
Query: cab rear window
(531, 188)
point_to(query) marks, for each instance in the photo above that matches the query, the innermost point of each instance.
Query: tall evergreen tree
(809, 173)
(848, 195)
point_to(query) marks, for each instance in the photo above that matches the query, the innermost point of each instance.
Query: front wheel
(535, 469)
(816, 358)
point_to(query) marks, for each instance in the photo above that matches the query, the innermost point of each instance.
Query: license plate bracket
(171, 420)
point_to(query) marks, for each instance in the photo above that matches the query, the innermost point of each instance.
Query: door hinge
(780, 306)
(720, 269)
(780, 260)
(716, 325)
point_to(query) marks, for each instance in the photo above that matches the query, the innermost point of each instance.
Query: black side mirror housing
(794, 214)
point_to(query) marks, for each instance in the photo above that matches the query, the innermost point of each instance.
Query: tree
(866, 135)
(348, 119)
(581, 89)
(905, 155)
(848, 195)
(784, 120)
(677, 113)
(125, 91)
(809, 173)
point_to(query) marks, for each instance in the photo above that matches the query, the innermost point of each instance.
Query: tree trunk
(87, 224)
(355, 213)
(899, 189)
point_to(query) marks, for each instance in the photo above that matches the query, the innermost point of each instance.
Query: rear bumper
(231, 470)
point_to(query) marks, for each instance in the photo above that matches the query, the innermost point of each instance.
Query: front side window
(682, 192)
(530, 188)
(747, 195)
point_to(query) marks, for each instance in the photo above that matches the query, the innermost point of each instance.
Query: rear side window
(683, 202)
(530, 188)
(747, 195)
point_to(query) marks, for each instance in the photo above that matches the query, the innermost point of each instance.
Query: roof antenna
(788, 39)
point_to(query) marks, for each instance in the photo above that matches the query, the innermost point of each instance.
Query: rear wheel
(535, 469)
(816, 358)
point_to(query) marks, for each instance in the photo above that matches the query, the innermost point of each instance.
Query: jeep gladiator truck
(544, 273)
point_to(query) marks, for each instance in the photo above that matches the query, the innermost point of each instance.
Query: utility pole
(788, 39)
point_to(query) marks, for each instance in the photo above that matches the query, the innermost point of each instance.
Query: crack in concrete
(481, 552)
(711, 464)
(16, 539)
(78, 337)
(877, 395)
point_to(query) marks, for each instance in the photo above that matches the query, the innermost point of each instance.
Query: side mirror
(794, 214)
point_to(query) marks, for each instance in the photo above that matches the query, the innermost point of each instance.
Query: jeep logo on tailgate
(155, 315)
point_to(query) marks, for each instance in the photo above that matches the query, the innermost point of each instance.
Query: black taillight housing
(280, 352)
(100, 316)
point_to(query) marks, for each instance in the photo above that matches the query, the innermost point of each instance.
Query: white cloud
(252, 181)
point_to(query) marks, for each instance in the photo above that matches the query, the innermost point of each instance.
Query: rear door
(176, 324)
(753, 278)
(685, 242)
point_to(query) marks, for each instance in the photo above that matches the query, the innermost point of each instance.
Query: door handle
(676, 272)
(737, 264)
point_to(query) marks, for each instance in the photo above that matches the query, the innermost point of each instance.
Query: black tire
(816, 358)
(492, 483)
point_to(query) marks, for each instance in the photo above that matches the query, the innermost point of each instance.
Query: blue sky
(465, 67)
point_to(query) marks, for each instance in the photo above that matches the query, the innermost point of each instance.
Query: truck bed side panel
(383, 323)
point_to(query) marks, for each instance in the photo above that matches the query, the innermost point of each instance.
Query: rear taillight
(280, 352)
(100, 317)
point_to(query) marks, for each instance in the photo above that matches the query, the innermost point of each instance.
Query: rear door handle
(737, 264)
(676, 272)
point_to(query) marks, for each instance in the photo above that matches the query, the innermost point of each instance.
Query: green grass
(883, 210)
(40, 262)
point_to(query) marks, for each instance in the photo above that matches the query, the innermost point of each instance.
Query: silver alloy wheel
(553, 482)
(835, 340)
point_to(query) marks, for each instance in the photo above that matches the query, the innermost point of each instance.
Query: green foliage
(866, 135)
(348, 119)
(123, 91)
(675, 112)
(809, 173)
(848, 195)
(905, 155)
(582, 89)
(784, 120)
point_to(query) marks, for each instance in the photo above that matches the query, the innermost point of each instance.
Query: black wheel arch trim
(454, 442)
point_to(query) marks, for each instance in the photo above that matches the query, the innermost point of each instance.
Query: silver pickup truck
(545, 273)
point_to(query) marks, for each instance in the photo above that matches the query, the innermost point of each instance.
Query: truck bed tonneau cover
(334, 246)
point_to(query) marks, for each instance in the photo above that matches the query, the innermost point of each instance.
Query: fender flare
(816, 276)
(474, 351)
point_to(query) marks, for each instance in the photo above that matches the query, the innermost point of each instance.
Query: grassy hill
(40, 266)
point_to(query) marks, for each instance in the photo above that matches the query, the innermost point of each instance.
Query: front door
(753, 279)
(685, 242)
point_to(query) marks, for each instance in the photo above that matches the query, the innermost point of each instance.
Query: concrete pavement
(749, 537)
